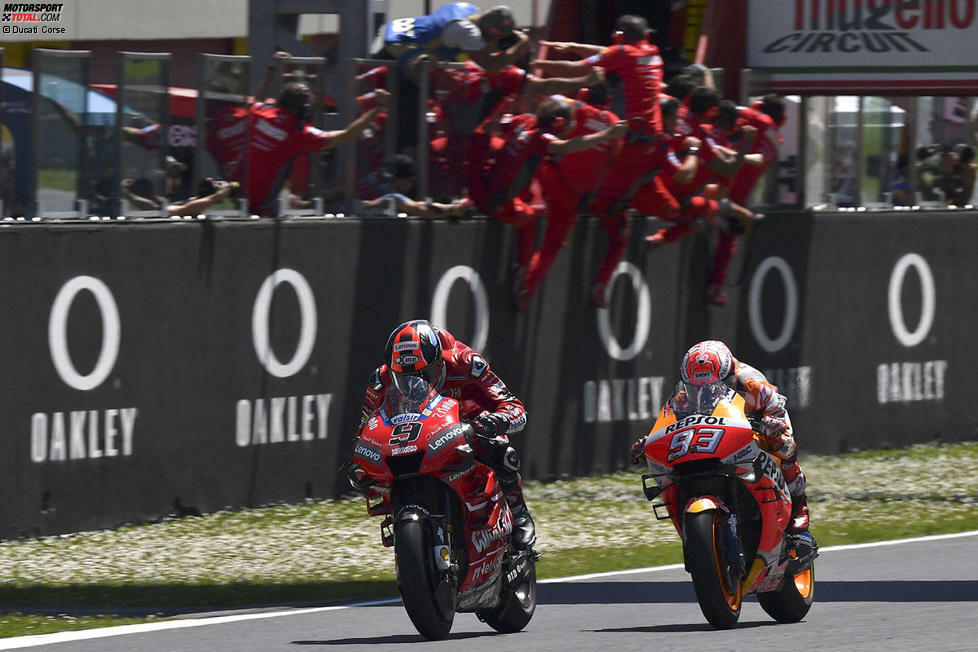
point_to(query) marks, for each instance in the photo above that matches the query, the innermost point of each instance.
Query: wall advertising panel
(172, 367)
(915, 46)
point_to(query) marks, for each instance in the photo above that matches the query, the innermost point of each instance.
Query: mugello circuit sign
(834, 35)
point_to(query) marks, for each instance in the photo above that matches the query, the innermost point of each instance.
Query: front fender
(411, 513)
(702, 504)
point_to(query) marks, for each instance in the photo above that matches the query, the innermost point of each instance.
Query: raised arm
(561, 68)
(724, 165)
(355, 128)
(493, 62)
(580, 49)
(562, 85)
(582, 143)
(691, 161)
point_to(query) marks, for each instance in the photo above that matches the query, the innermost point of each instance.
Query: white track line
(122, 630)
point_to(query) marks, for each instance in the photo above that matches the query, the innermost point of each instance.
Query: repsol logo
(770, 468)
(695, 420)
(482, 538)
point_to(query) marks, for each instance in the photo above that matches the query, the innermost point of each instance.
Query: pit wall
(152, 368)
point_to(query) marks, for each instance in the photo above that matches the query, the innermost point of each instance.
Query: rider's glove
(770, 429)
(359, 480)
(484, 425)
(637, 456)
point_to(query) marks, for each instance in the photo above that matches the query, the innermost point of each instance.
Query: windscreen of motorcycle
(408, 395)
(699, 399)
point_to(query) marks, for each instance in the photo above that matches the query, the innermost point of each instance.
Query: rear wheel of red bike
(517, 606)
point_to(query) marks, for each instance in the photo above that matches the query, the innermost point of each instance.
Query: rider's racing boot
(524, 531)
(799, 514)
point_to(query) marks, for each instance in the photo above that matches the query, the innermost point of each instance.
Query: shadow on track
(139, 600)
(393, 638)
(680, 628)
(825, 591)
(615, 592)
(897, 591)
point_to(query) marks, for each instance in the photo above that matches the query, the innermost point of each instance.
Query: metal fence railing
(142, 184)
(61, 144)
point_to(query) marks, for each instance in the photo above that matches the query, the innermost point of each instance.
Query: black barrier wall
(152, 368)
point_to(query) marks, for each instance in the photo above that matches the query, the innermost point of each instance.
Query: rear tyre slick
(792, 600)
(417, 579)
(517, 606)
(717, 588)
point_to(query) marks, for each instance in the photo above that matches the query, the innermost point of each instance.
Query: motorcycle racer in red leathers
(708, 367)
(455, 370)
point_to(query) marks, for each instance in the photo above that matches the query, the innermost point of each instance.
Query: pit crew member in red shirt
(636, 62)
(632, 58)
(717, 165)
(510, 161)
(643, 186)
(279, 133)
(728, 127)
(416, 348)
(565, 181)
(468, 96)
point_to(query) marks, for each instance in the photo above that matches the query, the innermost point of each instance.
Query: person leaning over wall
(139, 193)
(386, 192)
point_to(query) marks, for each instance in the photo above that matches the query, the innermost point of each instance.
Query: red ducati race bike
(445, 514)
(730, 504)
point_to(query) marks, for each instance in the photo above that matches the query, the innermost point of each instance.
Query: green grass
(25, 625)
(330, 551)
(57, 179)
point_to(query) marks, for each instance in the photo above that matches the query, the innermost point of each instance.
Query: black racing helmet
(414, 349)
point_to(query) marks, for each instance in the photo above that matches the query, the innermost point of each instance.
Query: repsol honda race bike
(730, 504)
(445, 514)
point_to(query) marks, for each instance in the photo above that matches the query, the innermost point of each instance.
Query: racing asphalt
(911, 594)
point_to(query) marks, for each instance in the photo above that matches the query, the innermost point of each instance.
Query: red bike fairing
(435, 431)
